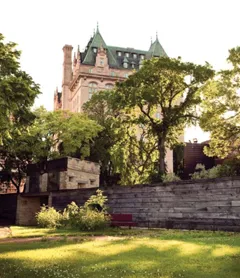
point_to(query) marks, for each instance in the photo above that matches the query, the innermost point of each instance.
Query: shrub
(170, 177)
(219, 171)
(97, 202)
(48, 217)
(93, 220)
(91, 216)
(70, 216)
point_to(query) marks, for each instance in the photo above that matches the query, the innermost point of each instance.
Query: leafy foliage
(170, 177)
(51, 135)
(224, 170)
(167, 88)
(91, 216)
(48, 217)
(17, 91)
(123, 148)
(221, 110)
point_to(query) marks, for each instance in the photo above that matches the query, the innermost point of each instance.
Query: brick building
(98, 67)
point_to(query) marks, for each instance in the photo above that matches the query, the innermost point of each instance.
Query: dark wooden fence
(8, 207)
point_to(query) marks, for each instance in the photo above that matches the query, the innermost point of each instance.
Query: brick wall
(206, 204)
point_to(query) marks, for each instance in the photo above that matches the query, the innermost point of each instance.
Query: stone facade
(27, 207)
(62, 174)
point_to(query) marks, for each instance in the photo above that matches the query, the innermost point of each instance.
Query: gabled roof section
(156, 50)
(116, 55)
(98, 40)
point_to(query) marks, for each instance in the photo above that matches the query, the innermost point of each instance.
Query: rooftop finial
(156, 35)
(97, 26)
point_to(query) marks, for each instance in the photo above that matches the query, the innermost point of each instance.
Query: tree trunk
(161, 156)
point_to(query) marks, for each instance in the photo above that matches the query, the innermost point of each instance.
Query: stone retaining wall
(206, 204)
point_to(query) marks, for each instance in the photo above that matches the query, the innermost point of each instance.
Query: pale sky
(196, 30)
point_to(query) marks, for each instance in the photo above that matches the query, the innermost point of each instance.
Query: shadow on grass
(136, 257)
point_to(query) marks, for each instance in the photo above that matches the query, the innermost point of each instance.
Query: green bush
(97, 202)
(91, 216)
(92, 220)
(170, 177)
(48, 218)
(219, 171)
(71, 215)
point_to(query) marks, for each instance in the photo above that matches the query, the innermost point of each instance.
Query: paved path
(57, 238)
(5, 231)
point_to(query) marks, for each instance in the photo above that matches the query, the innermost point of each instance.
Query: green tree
(99, 109)
(51, 135)
(121, 151)
(17, 90)
(221, 110)
(168, 87)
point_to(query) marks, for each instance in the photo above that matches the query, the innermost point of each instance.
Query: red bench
(122, 220)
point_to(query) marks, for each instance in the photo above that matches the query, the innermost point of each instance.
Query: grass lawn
(140, 253)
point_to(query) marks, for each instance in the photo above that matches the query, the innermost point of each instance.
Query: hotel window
(135, 56)
(108, 86)
(125, 65)
(92, 88)
(95, 50)
(119, 53)
(127, 54)
(142, 57)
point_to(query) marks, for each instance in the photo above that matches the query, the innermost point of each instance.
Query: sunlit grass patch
(157, 254)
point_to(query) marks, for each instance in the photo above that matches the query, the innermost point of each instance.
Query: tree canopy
(51, 135)
(162, 97)
(17, 90)
(221, 110)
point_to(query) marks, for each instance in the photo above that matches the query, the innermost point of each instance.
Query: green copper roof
(156, 49)
(114, 59)
(98, 40)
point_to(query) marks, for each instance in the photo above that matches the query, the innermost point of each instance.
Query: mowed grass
(140, 253)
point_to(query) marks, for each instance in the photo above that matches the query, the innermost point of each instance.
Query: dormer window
(133, 65)
(95, 50)
(142, 57)
(134, 56)
(119, 53)
(127, 54)
(125, 65)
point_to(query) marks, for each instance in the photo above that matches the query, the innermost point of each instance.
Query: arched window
(92, 88)
(108, 86)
